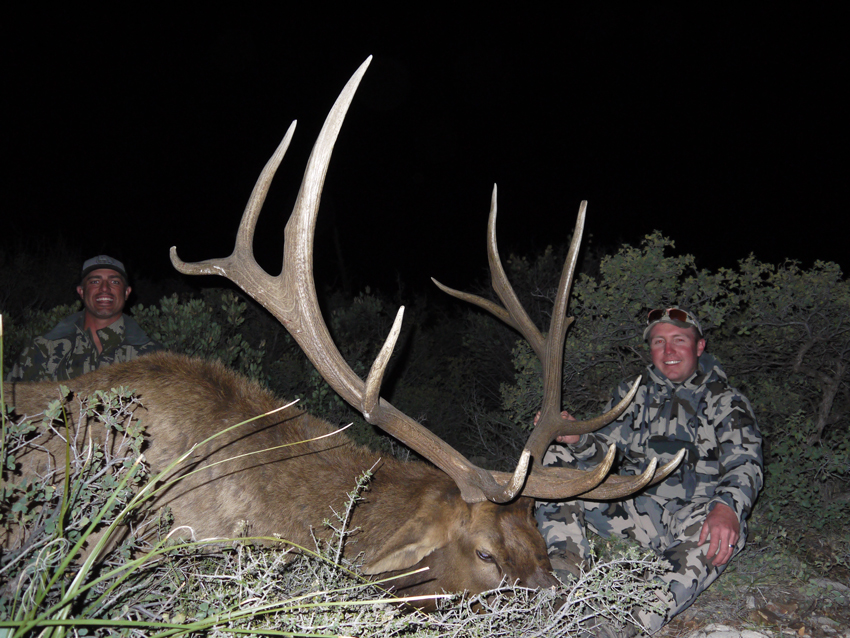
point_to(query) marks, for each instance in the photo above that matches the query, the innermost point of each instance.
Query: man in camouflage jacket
(684, 401)
(99, 335)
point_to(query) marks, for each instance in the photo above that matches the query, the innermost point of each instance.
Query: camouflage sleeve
(31, 364)
(739, 453)
(591, 448)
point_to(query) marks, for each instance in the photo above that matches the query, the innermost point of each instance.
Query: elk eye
(487, 558)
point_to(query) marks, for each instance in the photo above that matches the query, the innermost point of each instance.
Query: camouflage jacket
(705, 415)
(68, 351)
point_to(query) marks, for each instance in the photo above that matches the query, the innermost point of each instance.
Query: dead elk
(471, 527)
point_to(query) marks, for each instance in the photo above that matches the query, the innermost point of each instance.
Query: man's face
(104, 293)
(675, 351)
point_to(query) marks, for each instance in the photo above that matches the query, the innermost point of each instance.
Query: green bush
(605, 344)
(792, 339)
(200, 328)
(802, 478)
(788, 347)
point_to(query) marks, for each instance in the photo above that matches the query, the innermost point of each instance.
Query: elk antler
(543, 483)
(291, 298)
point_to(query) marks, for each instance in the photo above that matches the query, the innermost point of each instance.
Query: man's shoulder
(137, 338)
(65, 329)
(713, 380)
(721, 399)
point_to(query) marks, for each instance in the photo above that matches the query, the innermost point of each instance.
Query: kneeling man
(697, 518)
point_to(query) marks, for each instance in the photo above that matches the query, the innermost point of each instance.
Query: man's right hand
(570, 439)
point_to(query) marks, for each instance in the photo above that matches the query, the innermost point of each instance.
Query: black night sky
(136, 129)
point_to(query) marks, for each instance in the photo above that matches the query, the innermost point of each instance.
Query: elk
(471, 527)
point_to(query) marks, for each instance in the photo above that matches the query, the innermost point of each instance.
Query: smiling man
(697, 518)
(99, 335)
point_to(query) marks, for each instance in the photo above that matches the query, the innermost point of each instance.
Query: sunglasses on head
(676, 314)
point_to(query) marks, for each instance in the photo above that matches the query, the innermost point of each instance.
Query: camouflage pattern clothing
(68, 350)
(723, 464)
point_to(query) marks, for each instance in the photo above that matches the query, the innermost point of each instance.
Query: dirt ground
(778, 588)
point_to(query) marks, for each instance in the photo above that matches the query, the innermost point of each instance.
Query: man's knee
(692, 570)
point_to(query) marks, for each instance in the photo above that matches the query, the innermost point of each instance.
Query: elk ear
(406, 547)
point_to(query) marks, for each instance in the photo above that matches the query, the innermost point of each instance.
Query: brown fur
(412, 514)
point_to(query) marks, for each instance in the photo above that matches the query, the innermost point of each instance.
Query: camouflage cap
(676, 316)
(103, 261)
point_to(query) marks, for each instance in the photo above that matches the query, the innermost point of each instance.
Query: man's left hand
(722, 526)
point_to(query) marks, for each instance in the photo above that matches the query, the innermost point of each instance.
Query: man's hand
(567, 438)
(722, 526)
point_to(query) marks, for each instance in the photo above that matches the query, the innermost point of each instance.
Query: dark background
(131, 130)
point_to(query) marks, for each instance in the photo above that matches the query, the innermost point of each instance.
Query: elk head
(490, 543)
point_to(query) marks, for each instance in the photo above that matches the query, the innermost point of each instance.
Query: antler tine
(551, 425)
(241, 267)
(519, 318)
(296, 304)
(619, 486)
(515, 315)
(549, 350)
(547, 430)
(379, 366)
(556, 483)
(550, 413)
